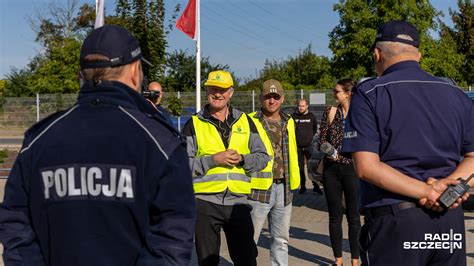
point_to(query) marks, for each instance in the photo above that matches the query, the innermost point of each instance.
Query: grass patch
(3, 155)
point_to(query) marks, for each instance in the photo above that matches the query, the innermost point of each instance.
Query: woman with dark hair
(339, 176)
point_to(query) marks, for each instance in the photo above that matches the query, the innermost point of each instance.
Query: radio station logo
(447, 241)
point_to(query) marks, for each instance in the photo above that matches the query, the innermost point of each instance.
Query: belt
(279, 180)
(388, 209)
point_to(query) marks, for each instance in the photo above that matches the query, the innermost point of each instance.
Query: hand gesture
(227, 158)
(434, 190)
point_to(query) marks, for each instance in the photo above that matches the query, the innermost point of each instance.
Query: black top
(305, 128)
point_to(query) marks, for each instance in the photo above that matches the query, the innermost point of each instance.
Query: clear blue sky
(240, 33)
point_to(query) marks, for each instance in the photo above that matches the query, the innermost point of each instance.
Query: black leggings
(338, 178)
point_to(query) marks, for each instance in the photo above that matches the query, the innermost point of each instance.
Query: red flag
(187, 21)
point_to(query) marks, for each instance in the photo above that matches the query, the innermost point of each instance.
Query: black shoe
(302, 190)
(317, 190)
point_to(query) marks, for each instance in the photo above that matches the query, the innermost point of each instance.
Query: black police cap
(390, 31)
(111, 41)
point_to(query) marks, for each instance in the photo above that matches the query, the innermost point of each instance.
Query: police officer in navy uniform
(106, 182)
(407, 131)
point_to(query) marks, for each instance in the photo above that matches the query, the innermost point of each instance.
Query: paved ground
(309, 243)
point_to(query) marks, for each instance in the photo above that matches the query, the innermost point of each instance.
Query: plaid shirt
(264, 195)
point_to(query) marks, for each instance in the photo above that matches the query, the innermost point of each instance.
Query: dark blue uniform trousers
(414, 236)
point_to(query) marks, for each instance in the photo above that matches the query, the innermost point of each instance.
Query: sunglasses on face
(274, 96)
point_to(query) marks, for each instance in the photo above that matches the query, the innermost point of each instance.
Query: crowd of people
(111, 182)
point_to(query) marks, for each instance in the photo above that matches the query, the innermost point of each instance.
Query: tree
(63, 28)
(180, 71)
(58, 71)
(359, 19)
(2, 86)
(17, 83)
(306, 71)
(462, 34)
(145, 20)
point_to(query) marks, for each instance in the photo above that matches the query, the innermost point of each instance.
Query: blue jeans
(279, 217)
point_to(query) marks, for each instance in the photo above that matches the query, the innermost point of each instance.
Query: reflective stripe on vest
(209, 142)
(263, 179)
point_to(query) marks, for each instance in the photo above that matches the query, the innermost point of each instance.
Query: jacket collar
(401, 65)
(115, 93)
(206, 115)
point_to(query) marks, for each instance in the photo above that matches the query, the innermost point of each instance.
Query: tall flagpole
(198, 55)
(99, 14)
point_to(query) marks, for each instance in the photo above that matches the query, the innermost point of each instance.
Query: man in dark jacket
(105, 182)
(156, 98)
(306, 126)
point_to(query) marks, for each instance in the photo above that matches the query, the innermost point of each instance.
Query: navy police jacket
(106, 182)
(418, 124)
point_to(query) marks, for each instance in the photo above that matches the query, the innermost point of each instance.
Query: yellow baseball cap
(219, 78)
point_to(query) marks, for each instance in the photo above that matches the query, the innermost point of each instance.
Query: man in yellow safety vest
(224, 148)
(272, 187)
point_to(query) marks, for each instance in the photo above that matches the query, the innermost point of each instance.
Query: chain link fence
(19, 113)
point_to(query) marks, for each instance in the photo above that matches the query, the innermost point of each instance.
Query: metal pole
(302, 94)
(37, 107)
(179, 117)
(198, 56)
(253, 100)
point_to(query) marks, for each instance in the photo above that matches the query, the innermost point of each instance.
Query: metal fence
(19, 113)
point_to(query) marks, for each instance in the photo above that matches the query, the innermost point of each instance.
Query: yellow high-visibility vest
(209, 142)
(263, 179)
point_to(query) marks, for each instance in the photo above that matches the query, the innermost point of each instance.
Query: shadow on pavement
(300, 233)
(310, 200)
(224, 262)
(264, 242)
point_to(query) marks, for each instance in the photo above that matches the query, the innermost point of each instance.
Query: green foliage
(57, 73)
(306, 71)
(145, 20)
(17, 83)
(462, 34)
(2, 86)
(181, 71)
(61, 33)
(3, 155)
(445, 64)
(174, 105)
(351, 39)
